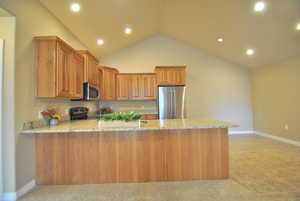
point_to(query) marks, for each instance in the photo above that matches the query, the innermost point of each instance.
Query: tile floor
(260, 170)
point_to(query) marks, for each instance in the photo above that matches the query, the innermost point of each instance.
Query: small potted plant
(51, 116)
(120, 120)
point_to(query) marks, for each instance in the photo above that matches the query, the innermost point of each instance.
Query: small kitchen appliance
(78, 113)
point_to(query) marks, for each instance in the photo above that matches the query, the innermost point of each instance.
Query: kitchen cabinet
(59, 68)
(171, 75)
(135, 91)
(124, 86)
(150, 117)
(91, 67)
(108, 83)
(78, 72)
(149, 86)
(136, 86)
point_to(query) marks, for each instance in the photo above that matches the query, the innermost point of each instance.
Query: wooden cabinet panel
(78, 72)
(136, 86)
(135, 91)
(150, 117)
(60, 69)
(123, 86)
(171, 75)
(133, 156)
(100, 80)
(90, 67)
(45, 54)
(64, 81)
(149, 86)
(109, 83)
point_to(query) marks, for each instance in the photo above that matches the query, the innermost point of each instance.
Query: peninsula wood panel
(133, 156)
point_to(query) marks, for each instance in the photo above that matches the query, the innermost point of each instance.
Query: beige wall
(216, 89)
(7, 32)
(276, 99)
(32, 20)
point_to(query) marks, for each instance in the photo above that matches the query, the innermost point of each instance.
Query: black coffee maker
(78, 113)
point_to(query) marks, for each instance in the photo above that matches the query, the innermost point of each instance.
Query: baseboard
(26, 188)
(22, 191)
(281, 139)
(8, 196)
(241, 132)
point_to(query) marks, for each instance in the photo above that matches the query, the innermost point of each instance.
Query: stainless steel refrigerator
(171, 102)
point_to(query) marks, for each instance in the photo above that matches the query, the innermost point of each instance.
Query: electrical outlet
(286, 127)
(40, 116)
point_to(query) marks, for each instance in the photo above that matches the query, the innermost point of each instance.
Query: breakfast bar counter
(85, 152)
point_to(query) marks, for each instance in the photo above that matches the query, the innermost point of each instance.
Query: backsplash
(145, 106)
(62, 107)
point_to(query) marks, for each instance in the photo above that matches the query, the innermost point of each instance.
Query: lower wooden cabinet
(150, 117)
(136, 86)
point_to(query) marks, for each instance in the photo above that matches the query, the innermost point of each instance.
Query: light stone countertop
(83, 126)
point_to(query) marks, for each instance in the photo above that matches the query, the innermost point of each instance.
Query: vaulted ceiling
(199, 23)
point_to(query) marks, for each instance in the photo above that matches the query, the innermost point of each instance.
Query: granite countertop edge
(153, 125)
(116, 130)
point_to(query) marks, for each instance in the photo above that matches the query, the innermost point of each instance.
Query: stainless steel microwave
(90, 92)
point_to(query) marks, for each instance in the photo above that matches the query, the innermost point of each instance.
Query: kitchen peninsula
(83, 152)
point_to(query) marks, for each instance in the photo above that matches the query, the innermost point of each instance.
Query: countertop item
(95, 126)
(78, 113)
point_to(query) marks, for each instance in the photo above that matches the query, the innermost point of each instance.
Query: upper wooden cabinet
(90, 66)
(124, 86)
(171, 75)
(78, 72)
(107, 82)
(136, 86)
(59, 69)
(149, 86)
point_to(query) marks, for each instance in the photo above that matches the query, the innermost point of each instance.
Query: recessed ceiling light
(75, 7)
(128, 30)
(100, 42)
(259, 6)
(220, 40)
(250, 52)
(298, 26)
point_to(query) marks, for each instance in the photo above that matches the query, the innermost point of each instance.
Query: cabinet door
(178, 77)
(162, 77)
(136, 89)
(171, 75)
(149, 86)
(123, 87)
(78, 72)
(92, 71)
(100, 81)
(109, 84)
(150, 117)
(64, 55)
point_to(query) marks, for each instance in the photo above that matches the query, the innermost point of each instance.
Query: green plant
(121, 117)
